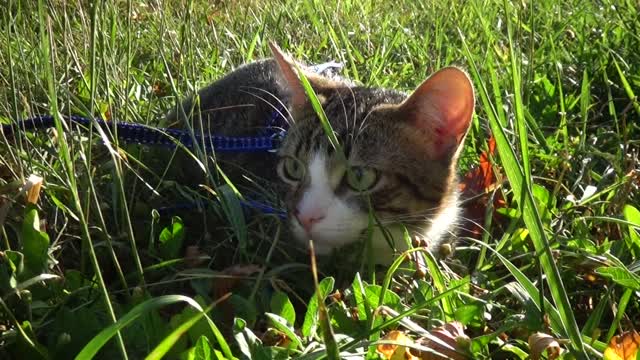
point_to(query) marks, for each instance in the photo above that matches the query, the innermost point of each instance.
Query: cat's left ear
(289, 71)
(441, 109)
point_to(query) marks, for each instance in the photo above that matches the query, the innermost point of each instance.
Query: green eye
(292, 169)
(362, 178)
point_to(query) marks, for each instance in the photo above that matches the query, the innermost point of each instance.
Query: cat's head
(399, 161)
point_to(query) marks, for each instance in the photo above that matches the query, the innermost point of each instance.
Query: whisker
(283, 107)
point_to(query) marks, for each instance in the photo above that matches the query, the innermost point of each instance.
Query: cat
(399, 152)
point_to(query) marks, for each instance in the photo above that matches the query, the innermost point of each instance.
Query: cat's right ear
(441, 109)
(289, 71)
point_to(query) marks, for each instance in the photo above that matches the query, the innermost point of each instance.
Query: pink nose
(309, 218)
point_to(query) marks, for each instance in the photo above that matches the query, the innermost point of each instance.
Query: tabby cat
(398, 159)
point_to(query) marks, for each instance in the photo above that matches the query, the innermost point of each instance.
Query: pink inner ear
(442, 107)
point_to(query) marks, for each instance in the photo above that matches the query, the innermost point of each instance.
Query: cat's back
(236, 104)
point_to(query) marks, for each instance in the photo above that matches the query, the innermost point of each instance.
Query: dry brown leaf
(394, 351)
(230, 276)
(476, 186)
(541, 342)
(194, 257)
(623, 347)
(447, 342)
(32, 188)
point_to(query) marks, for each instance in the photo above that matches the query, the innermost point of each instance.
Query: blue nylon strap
(140, 134)
(268, 140)
(246, 204)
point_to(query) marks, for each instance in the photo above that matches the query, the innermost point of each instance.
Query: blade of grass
(627, 87)
(92, 348)
(165, 345)
(530, 215)
(328, 336)
(317, 107)
(585, 99)
(47, 48)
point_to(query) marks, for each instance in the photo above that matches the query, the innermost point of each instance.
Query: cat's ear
(290, 76)
(441, 109)
(289, 71)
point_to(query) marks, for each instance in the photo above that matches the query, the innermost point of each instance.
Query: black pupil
(357, 172)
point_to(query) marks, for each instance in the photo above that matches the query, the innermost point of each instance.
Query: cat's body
(398, 161)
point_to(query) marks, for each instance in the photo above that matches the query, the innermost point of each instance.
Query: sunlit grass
(557, 86)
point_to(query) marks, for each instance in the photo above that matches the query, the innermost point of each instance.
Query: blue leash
(132, 133)
(144, 135)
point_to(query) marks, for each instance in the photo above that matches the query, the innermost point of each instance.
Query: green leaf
(545, 201)
(244, 308)
(520, 180)
(27, 345)
(467, 313)
(199, 329)
(310, 324)
(230, 201)
(11, 265)
(248, 343)
(621, 276)
(171, 239)
(281, 306)
(317, 108)
(35, 243)
(391, 299)
(632, 215)
(245, 338)
(203, 349)
(627, 87)
(280, 323)
(358, 294)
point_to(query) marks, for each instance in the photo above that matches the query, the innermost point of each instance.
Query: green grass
(93, 268)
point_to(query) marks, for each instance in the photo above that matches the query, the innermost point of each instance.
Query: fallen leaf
(32, 188)
(541, 342)
(396, 351)
(623, 347)
(447, 342)
(481, 178)
(273, 337)
(476, 187)
(194, 257)
(231, 276)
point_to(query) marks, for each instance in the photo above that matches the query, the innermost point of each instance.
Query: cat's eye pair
(360, 178)
(291, 169)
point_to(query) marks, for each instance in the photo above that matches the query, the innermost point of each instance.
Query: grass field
(92, 267)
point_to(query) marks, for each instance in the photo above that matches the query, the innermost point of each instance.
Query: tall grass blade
(48, 58)
(530, 216)
(92, 348)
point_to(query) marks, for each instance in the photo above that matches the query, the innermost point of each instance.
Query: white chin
(323, 243)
